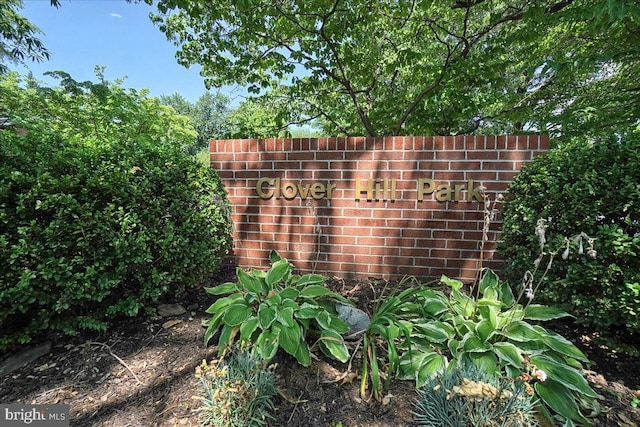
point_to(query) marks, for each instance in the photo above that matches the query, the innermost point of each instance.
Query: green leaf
(333, 345)
(462, 304)
(267, 343)
(508, 352)
(266, 315)
(222, 303)
(473, 344)
(454, 284)
(560, 344)
(310, 279)
(225, 288)
(308, 311)
(289, 294)
(248, 328)
(324, 320)
(543, 312)
(248, 282)
(560, 399)
(485, 361)
(278, 272)
(227, 337)
(563, 374)
(454, 347)
(303, 355)
(507, 298)
(237, 313)
(489, 285)
(435, 331)
(285, 317)
(490, 314)
(290, 339)
(212, 326)
(420, 366)
(435, 306)
(287, 303)
(274, 257)
(314, 291)
(485, 330)
(520, 331)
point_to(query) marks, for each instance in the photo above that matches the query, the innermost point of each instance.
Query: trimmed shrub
(93, 230)
(587, 196)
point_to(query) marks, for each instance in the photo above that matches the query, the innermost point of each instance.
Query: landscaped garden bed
(142, 373)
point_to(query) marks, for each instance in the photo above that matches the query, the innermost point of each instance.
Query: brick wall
(369, 207)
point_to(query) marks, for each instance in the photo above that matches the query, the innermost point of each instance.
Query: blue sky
(118, 35)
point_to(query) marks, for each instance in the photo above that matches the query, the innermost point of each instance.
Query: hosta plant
(500, 336)
(278, 309)
(237, 390)
(466, 396)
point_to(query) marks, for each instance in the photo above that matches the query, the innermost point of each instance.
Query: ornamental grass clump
(237, 389)
(465, 396)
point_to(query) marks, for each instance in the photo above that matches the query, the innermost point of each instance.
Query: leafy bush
(465, 396)
(98, 226)
(237, 389)
(278, 309)
(585, 192)
(492, 331)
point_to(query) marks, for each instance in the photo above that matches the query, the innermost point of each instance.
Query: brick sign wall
(369, 207)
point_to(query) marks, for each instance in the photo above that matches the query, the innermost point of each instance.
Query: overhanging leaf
(559, 399)
(561, 344)
(563, 374)
(543, 312)
(225, 288)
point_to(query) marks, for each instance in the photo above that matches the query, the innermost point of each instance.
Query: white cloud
(116, 15)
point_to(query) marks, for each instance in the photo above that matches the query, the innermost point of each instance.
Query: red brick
(394, 237)
(451, 155)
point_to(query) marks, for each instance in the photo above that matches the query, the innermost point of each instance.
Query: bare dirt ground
(142, 373)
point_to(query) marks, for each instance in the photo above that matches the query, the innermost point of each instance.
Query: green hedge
(581, 187)
(90, 231)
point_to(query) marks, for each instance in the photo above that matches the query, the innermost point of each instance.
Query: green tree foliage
(420, 67)
(585, 194)
(18, 36)
(209, 117)
(100, 212)
(78, 111)
(589, 81)
(264, 117)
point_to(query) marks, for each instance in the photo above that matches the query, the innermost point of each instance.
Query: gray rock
(357, 319)
(171, 310)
